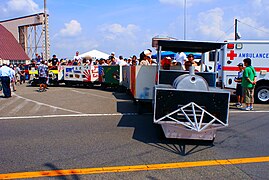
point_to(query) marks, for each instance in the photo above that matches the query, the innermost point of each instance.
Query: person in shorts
(43, 75)
(239, 90)
(249, 80)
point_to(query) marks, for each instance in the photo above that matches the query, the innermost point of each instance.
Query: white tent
(95, 54)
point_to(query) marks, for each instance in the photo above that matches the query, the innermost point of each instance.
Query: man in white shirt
(181, 58)
(5, 74)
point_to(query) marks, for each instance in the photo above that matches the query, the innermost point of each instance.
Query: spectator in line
(113, 60)
(129, 61)
(166, 63)
(181, 58)
(5, 74)
(248, 83)
(54, 60)
(239, 90)
(22, 73)
(13, 78)
(134, 59)
(145, 57)
(43, 75)
(187, 65)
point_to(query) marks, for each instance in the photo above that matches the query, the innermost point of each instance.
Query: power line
(225, 32)
(254, 27)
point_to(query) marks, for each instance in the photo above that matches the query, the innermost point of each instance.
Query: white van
(233, 53)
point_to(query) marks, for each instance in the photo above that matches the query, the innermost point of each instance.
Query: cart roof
(189, 46)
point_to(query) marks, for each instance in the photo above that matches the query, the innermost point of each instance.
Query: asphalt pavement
(67, 128)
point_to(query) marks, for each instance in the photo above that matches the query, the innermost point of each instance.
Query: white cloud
(252, 28)
(124, 40)
(73, 28)
(210, 24)
(181, 2)
(67, 47)
(113, 31)
(19, 7)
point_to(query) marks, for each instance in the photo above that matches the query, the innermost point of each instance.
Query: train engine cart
(188, 105)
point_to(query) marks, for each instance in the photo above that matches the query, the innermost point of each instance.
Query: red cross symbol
(232, 55)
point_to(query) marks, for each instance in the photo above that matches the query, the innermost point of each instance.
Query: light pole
(46, 31)
(235, 29)
(185, 19)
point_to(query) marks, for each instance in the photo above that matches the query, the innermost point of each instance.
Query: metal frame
(31, 32)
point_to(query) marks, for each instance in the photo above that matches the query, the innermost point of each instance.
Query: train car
(110, 76)
(187, 105)
(78, 75)
(140, 80)
(32, 75)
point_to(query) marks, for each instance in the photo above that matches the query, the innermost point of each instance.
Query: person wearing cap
(5, 74)
(112, 54)
(239, 90)
(145, 57)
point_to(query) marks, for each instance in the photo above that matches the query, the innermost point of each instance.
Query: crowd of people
(144, 59)
(11, 75)
(180, 62)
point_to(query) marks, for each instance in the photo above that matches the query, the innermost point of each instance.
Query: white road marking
(93, 95)
(12, 100)
(99, 115)
(43, 104)
(18, 107)
(35, 108)
(242, 111)
(69, 115)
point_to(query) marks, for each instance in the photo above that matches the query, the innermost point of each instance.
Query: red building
(10, 49)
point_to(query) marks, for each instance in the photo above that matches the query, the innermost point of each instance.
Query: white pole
(185, 18)
(46, 33)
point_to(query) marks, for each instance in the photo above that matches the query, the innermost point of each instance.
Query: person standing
(13, 78)
(54, 60)
(181, 58)
(239, 90)
(43, 75)
(21, 73)
(5, 74)
(248, 83)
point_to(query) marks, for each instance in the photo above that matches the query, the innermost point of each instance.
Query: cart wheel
(68, 84)
(211, 142)
(140, 108)
(103, 86)
(159, 132)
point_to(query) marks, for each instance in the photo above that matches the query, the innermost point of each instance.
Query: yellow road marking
(116, 169)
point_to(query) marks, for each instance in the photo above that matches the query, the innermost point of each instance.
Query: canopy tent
(95, 54)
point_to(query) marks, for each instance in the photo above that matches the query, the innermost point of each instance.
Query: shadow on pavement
(61, 177)
(147, 132)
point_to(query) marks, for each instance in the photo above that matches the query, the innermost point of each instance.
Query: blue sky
(127, 26)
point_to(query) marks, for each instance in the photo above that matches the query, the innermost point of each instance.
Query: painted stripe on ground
(99, 115)
(242, 111)
(5, 105)
(93, 95)
(68, 115)
(43, 104)
(117, 169)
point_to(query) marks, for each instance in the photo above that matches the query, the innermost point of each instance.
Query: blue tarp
(173, 55)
